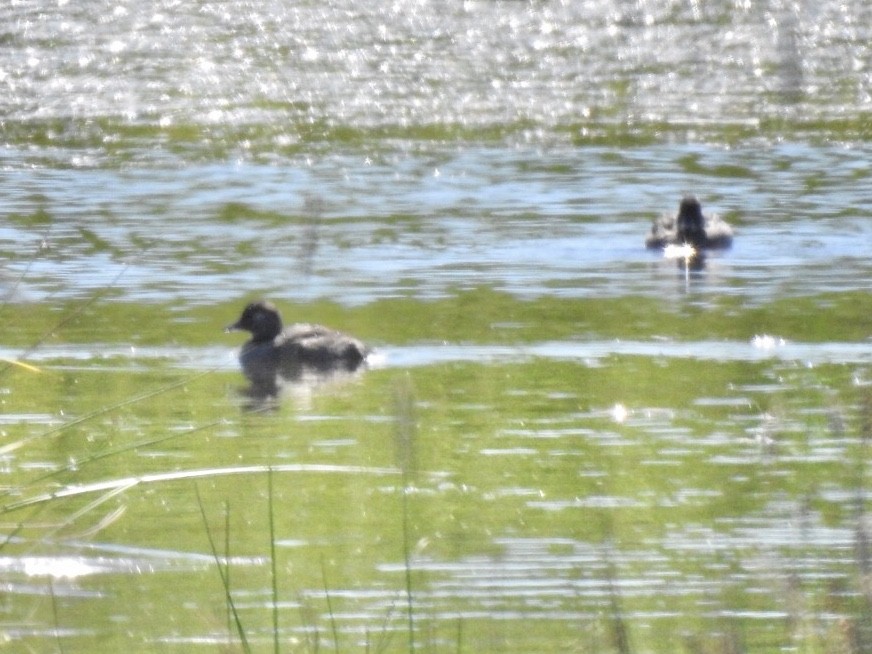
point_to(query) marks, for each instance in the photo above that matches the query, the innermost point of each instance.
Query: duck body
(288, 352)
(690, 226)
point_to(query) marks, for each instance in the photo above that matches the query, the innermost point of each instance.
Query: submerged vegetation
(564, 443)
(481, 315)
(429, 508)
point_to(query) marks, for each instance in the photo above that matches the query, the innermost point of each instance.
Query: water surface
(562, 442)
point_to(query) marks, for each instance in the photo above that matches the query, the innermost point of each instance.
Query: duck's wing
(304, 331)
(664, 231)
(718, 233)
(321, 346)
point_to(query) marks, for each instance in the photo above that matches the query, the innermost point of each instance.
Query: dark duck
(690, 227)
(290, 352)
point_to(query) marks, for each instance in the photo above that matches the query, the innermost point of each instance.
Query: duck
(690, 227)
(274, 350)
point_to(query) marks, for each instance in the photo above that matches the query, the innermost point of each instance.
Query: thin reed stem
(69, 317)
(329, 606)
(11, 447)
(272, 558)
(55, 616)
(405, 446)
(14, 286)
(224, 574)
(229, 616)
(407, 562)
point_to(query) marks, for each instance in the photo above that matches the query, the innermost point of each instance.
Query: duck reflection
(298, 353)
(690, 230)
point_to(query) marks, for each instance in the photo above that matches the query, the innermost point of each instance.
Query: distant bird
(273, 351)
(690, 227)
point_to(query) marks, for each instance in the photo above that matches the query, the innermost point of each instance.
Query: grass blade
(225, 575)
(272, 558)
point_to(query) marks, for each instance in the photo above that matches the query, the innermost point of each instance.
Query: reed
(617, 623)
(862, 639)
(405, 442)
(13, 288)
(224, 573)
(56, 617)
(274, 582)
(78, 463)
(64, 320)
(333, 628)
(310, 627)
(227, 553)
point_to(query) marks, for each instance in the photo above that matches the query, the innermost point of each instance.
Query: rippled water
(562, 442)
(262, 77)
(569, 222)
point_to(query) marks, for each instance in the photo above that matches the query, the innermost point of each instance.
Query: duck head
(691, 224)
(262, 319)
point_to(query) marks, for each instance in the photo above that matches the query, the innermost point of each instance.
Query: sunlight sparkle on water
(62, 567)
(619, 413)
(767, 342)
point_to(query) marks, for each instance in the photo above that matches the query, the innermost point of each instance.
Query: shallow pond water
(562, 442)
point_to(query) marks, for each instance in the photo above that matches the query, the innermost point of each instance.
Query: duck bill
(232, 327)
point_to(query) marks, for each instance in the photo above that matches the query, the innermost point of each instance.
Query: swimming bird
(690, 227)
(289, 352)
